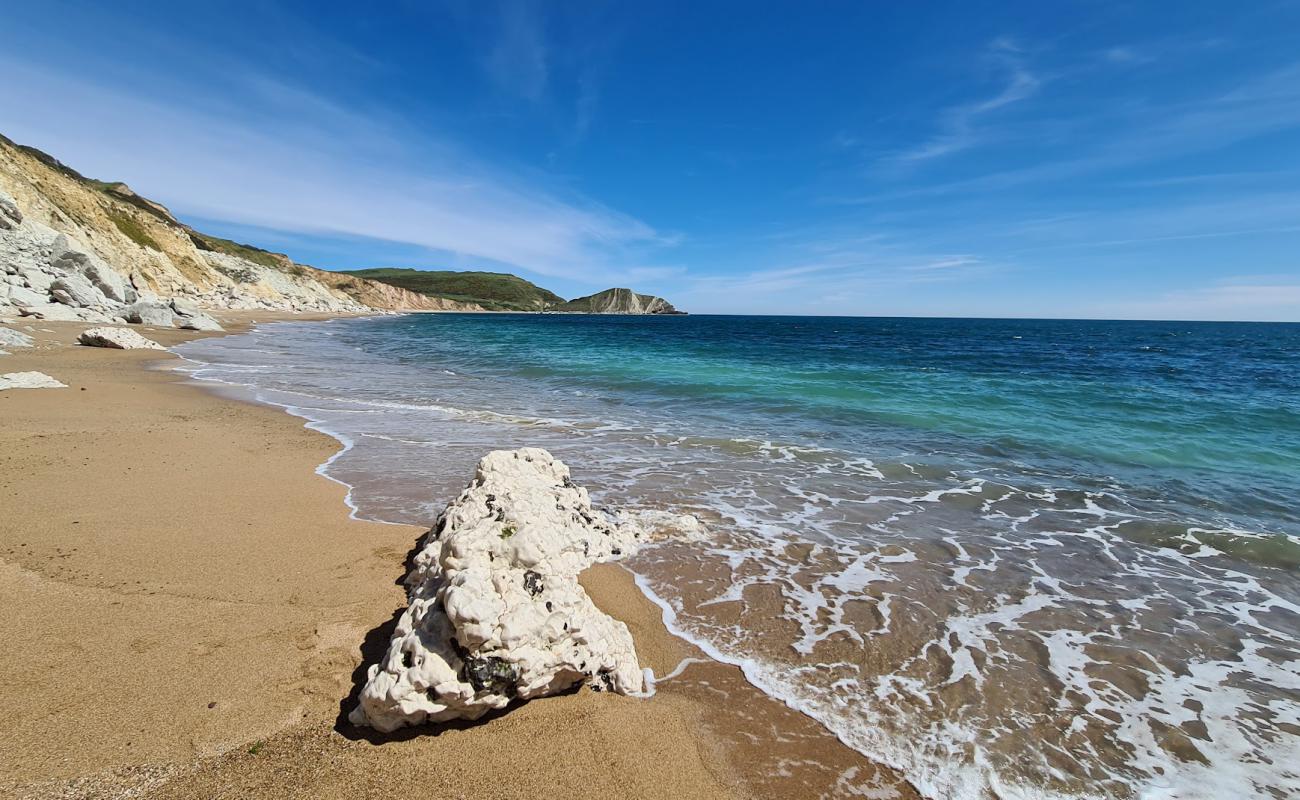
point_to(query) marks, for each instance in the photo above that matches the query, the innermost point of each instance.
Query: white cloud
(1249, 299)
(519, 60)
(959, 123)
(288, 159)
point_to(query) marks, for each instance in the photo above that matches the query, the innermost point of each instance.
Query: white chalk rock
(10, 216)
(198, 322)
(496, 612)
(57, 312)
(12, 338)
(185, 308)
(77, 290)
(147, 313)
(117, 338)
(38, 280)
(68, 255)
(23, 297)
(29, 380)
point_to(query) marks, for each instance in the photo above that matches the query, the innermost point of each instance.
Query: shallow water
(1011, 558)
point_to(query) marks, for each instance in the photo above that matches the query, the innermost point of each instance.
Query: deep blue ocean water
(1042, 558)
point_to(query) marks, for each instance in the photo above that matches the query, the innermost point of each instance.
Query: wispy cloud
(295, 161)
(1152, 133)
(961, 124)
(945, 264)
(1260, 298)
(821, 270)
(518, 61)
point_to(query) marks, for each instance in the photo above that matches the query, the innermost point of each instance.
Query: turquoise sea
(1012, 558)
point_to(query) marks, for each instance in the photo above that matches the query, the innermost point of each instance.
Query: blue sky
(1082, 159)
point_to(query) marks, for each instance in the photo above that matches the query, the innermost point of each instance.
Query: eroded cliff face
(61, 226)
(382, 295)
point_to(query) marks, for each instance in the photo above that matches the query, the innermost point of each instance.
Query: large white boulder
(29, 380)
(77, 291)
(22, 297)
(38, 280)
(68, 255)
(117, 338)
(12, 338)
(496, 612)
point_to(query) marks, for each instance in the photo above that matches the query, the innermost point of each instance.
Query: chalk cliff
(72, 247)
(617, 301)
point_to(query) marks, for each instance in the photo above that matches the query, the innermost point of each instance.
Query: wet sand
(187, 605)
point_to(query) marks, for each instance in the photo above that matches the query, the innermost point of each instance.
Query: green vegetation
(256, 747)
(236, 274)
(507, 531)
(247, 252)
(132, 229)
(46, 159)
(495, 291)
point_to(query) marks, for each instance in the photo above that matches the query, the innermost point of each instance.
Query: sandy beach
(188, 603)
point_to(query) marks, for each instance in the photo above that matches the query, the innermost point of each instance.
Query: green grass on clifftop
(495, 291)
(132, 229)
(245, 251)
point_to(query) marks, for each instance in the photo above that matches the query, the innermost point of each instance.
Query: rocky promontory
(617, 301)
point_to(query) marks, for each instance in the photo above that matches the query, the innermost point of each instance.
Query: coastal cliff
(617, 301)
(76, 248)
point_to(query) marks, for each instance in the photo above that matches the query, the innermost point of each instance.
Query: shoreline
(305, 649)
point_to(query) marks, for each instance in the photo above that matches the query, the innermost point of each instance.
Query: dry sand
(186, 605)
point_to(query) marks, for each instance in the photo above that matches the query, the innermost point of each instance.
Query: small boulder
(117, 338)
(198, 322)
(149, 314)
(23, 297)
(185, 308)
(11, 338)
(54, 312)
(29, 380)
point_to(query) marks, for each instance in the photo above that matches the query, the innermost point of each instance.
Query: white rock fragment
(29, 380)
(57, 312)
(77, 290)
(10, 216)
(117, 338)
(185, 308)
(68, 255)
(198, 322)
(495, 611)
(149, 314)
(24, 298)
(12, 338)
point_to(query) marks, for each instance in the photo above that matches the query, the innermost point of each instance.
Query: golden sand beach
(187, 606)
